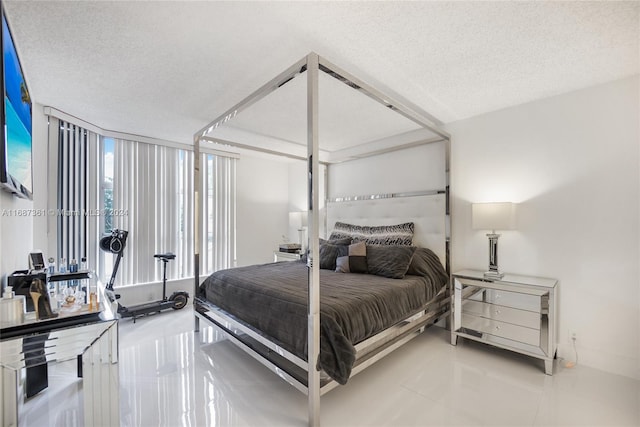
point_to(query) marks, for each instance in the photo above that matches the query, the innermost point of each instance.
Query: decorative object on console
(12, 307)
(36, 261)
(493, 216)
(40, 297)
(20, 282)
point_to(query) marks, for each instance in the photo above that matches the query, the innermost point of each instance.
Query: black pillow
(389, 261)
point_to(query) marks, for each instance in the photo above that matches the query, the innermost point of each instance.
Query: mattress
(353, 307)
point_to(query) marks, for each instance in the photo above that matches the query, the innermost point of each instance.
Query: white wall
(16, 234)
(415, 169)
(571, 162)
(262, 207)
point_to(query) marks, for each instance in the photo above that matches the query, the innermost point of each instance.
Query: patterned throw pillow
(352, 258)
(398, 235)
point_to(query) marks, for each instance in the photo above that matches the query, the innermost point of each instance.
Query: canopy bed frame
(428, 209)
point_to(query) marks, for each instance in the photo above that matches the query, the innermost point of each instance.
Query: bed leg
(196, 324)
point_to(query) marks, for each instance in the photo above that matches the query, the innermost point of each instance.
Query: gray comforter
(353, 307)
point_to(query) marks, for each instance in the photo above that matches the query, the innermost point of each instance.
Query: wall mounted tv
(15, 150)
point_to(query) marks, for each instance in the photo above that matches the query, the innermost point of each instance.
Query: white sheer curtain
(219, 213)
(153, 200)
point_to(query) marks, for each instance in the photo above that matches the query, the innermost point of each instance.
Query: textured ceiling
(165, 69)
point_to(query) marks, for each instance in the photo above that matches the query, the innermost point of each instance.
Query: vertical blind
(152, 194)
(219, 213)
(153, 200)
(76, 205)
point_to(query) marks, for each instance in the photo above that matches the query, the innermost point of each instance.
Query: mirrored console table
(85, 333)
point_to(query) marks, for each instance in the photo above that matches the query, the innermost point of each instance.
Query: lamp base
(493, 275)
(493, 272)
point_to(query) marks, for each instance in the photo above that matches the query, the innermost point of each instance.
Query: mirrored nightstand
(517, 313)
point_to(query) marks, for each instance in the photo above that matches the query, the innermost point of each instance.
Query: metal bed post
(313, 309)
(197, 225)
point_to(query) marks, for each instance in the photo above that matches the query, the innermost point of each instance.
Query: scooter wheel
(179, 300)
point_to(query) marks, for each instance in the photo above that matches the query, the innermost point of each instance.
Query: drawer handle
(497, 311)
(497, 328)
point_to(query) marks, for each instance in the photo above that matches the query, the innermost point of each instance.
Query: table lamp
(493, 216)
(299, 220)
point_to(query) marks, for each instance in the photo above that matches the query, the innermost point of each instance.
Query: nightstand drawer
(501, 313)
(512, 299)
(501, 329)
(286, 256)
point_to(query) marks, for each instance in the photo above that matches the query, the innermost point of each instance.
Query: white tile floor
(171, 377)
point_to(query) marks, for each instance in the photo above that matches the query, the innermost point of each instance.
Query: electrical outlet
(572, 336)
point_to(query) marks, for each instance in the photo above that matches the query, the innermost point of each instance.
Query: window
(105, 202)
(152, 192)
(107, 183)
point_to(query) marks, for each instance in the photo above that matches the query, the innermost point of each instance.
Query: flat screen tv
(15, 150)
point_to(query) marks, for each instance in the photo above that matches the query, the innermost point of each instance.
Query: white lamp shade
(493, 216)
(298, 219)
(295, 219)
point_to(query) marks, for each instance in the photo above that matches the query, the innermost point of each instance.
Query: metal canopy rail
(312, 65)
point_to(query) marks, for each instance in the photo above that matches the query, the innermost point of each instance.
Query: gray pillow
(389, 261)
(426, 263)
(329, 252)
(400, 234)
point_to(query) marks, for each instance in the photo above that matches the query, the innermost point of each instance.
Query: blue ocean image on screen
(18, 114)
(18, 147)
